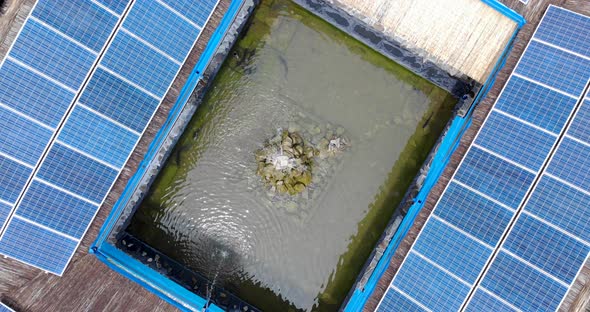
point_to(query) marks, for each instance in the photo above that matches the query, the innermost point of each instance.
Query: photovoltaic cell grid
(44, 70)
(511, 231)
(85, 77)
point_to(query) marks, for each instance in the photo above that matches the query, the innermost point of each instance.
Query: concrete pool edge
(436, 162)
(104, 250)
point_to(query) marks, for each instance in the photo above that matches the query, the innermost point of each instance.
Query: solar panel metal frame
(96, 65)
(522, 203)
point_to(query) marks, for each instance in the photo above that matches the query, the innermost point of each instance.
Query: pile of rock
(285, 163)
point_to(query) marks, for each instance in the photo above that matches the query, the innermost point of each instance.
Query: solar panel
(512, 225)
(398, 302)
(68, 168)
(45, 68)
(521, 285)
(484, 301)
(5, 308)
(84, 21)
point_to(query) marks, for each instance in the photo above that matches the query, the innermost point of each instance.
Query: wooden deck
(580, 292)
(15, 13)
(469, 38)
(88, 284)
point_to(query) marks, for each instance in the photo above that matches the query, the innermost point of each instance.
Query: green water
(292, 70)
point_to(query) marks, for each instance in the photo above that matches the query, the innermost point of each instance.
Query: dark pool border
(105, 249)
(378, 41)
(433, 168)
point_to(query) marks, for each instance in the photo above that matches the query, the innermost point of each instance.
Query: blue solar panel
(118, 6)
(550, 236)
(48, 63)
(580, 127)
(77, 173)
(562, 206)
(55, 209)
(118, 100)
(52, 54)
(13, 177)
(100, 132)
(436, 290)
(554, 67)
(140, 64)
(162, 28)
(546, 248)
(522, 286)
(473, 214)
(571, 163)
(82, 20)
(467, 258)
(536, 104)
(483, 301)
(104, 140)
(5, 209)
(565, 29)
(394, 301)
(516, 141)
(196, 11)
(33, 95)
(5, 308)
(495, 177)
(22, 138)
(36, 246)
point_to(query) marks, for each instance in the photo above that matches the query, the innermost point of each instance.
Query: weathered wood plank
(464, 37)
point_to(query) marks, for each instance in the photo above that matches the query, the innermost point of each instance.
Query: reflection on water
(289, 71)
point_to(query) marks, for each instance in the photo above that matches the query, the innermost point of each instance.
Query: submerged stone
(285, 164)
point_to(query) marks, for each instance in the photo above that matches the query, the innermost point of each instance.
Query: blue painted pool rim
(118, 260)
(186, 300)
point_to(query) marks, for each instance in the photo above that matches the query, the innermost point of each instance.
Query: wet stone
(293, 165)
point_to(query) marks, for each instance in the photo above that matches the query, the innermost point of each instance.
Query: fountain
(286, 161)
(209, 288)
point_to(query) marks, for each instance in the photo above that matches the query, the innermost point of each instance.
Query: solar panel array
(511, 230)
(81, 83)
